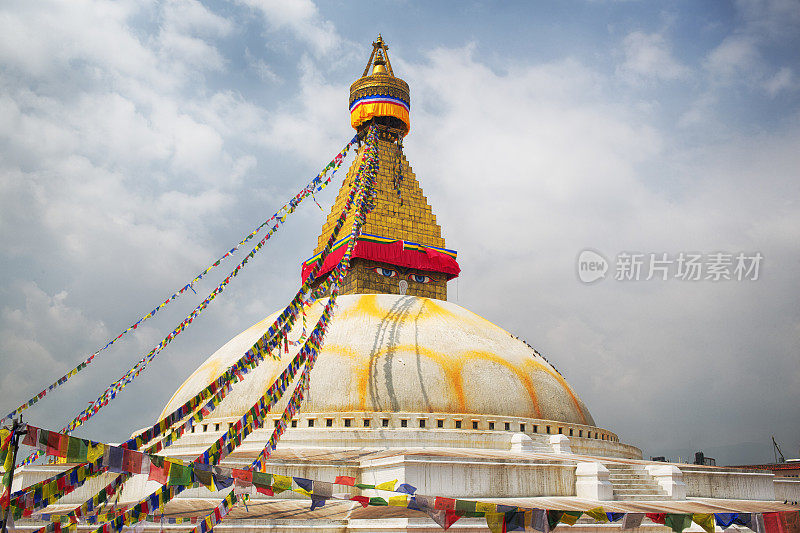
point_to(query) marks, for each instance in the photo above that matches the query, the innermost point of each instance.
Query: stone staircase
(632, 485)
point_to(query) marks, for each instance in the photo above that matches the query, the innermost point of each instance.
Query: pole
(15, 434)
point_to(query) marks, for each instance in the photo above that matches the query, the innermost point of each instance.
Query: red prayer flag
(658, 518)
(782, 522)
(444, 503)
(131, 461)
(265, 490)
(363, 500)
(345, 480)
(450, 518)
(244, 475)
(159, 473)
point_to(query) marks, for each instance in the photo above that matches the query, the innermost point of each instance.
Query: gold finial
(379, 82)
(381, 63)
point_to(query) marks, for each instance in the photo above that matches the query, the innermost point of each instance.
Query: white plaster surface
(592, 482)
(389, 353)
(670, 479)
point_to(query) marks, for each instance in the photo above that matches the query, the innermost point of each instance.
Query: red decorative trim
(392, 253)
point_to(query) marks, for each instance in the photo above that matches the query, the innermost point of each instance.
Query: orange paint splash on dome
(564, 385)
(450, 366)
(522, 376)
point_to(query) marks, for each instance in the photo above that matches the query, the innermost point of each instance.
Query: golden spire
(379, 95)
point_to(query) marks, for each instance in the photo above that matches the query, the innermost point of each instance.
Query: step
(643, 490)
(644, 498)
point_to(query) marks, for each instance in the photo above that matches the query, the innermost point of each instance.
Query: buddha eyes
(388, 272)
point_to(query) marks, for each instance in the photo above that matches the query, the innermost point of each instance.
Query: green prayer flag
(465, 505)
(378, 501)
(553, 517)
(364, 486)
(179, 474)
(262, 479)
(77, 450)
(678, 522)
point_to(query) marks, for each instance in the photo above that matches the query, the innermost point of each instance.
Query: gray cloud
(130, 160)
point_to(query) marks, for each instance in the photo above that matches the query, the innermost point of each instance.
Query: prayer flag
(317, 501)
(202, 472)
(781, 522)
(112, 458)
(704, 520)
(444, 503)
(262, 479)
(444, 517)
(421, 502)
(465, 505)
(76, 450)
(378, 501)
(324, 489)
(484, 507)
(570, 517)
(363, 500)
(131, 461)
(598, 514)
(677, 522)
(281, 483)
(386, 485)
(553, 518)
(159, 470)
(496, 522)
(398, 501)
(303, 483)
(724, 520)
(406, 488)
(515, 520)
(539, 521)
(632, 520)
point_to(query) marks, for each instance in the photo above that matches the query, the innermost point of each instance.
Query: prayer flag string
(112, 390)
(315, 185)
(175, 475)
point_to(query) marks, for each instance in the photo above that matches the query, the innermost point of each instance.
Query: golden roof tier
(380, 96)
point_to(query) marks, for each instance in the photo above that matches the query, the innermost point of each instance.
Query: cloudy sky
(141, 139)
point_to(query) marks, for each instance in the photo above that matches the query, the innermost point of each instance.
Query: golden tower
(401, 248)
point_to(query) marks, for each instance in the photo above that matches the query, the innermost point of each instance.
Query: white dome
(391, 353)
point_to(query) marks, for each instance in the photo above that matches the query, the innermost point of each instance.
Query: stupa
(400, 365)
(409, 386)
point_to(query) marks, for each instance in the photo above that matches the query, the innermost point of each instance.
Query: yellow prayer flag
(95, 452)
(302, 491)
(399, 501)
(704, 520)
(9, 463)
(570, 518)
(598, 514)
(494, 521)
(485, 507)
(281, 483)
(386, 485)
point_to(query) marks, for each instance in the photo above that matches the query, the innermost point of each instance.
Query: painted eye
(419, 278)
(388, 272)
